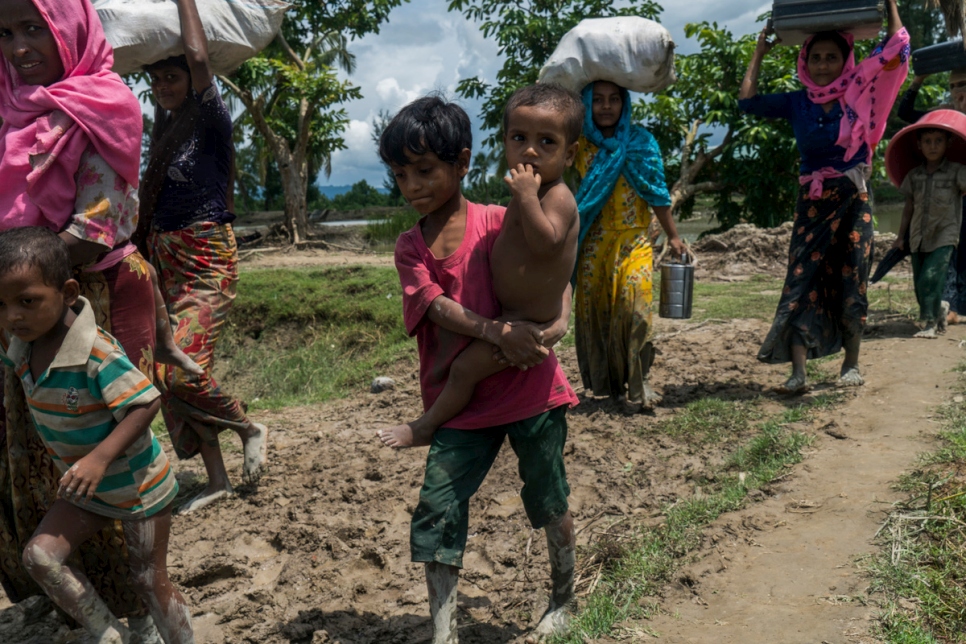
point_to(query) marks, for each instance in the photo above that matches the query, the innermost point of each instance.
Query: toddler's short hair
(33, 246)
(428, 124)
(557, 98)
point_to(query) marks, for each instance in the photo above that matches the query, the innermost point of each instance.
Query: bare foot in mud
(651, 398)
(256, 453)
(555, 621)
(205, 498)
(943, 320)
(850, 378)
(402, 436)
(930, 332)
(170, 354)
(794, 386)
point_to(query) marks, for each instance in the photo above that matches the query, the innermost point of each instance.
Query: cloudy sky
(424, 48)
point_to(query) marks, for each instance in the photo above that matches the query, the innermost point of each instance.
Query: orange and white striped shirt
(88, 389)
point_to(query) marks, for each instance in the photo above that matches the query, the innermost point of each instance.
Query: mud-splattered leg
(147, 543)
(144, 628)
(63, 529)
(797, 383)
(560, 545)
(441, 582)
(850, 376)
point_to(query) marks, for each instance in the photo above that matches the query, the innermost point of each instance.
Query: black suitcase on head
(796, 20)
(943, 57)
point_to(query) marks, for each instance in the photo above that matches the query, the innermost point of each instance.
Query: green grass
(921, 568)
(635, 565)
(755, 298)
(709, 420)
(299, 336)
(384, 233)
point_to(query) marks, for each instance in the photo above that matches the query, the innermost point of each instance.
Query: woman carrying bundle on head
(185, 231)
(838, 119)
(622, 183)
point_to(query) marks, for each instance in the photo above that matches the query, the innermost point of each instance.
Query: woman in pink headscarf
(70, 147)
(838, 119)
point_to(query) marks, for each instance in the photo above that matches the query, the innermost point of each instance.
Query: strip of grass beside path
(921, 568)
(299, 336)
(645, 558)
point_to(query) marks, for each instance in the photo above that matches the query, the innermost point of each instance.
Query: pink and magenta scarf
(866, 91)
(47, 129)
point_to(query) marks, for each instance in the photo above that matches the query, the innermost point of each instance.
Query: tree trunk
(296, 208)
(292, 166)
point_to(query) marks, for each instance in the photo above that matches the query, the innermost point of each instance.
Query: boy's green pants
(929, 272)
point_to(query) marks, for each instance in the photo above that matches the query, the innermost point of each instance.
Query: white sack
(635, 53)
(146, 31)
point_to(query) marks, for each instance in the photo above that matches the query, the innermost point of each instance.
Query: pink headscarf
(47, 129)
(866, 91)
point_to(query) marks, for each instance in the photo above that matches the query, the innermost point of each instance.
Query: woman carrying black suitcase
(838, 120)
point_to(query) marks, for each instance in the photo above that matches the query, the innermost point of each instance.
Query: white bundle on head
(146, 31)
(631, 52)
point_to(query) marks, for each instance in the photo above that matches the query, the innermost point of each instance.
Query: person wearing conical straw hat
(954, 296)
(922, 161)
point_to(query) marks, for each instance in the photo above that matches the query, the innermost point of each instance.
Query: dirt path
(783, 570)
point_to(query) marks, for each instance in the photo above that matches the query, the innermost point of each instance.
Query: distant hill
(335, 191)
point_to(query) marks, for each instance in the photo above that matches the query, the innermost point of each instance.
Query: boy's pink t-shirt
(465, 277)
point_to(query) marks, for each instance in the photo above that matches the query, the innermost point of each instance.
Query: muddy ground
(319, 551)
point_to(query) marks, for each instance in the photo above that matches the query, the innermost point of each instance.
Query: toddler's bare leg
(63, 529)
(471, 366)
(167, 350)
(147, 543)
(441, 583)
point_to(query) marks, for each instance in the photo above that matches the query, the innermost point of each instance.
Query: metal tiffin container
(677, 288)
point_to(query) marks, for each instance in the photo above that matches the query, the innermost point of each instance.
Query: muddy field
(319, 551)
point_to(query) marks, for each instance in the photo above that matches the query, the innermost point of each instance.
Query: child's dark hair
(557, 98)
(181, 62)
(428, 124)
(933, 130)
(33, 246)
(833, 37)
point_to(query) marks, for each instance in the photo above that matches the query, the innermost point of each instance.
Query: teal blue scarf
(632, 151)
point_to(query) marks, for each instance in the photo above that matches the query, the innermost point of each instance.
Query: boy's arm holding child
(521, 343)
(82, 479)
(547, 221)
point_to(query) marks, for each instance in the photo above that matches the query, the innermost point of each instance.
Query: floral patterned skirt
(614, 311)
(824, 300)
(123, 302)
(198, 271)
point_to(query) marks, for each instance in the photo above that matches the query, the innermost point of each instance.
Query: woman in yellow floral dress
(622, 182)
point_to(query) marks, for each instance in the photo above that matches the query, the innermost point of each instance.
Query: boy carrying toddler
(457, 266)
(93, 409)
(535, 251)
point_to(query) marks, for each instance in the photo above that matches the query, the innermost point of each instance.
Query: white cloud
(424, 48)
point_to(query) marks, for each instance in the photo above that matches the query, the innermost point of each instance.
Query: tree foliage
(527, 31)
(292, 94)
(749, 165)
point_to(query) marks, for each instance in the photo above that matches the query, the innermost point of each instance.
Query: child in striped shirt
(93, 409)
